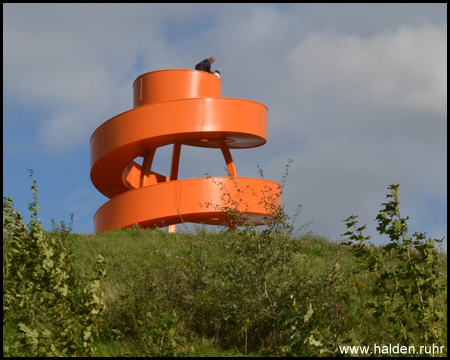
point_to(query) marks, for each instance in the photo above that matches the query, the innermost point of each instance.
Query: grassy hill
(223, 290)
(250, 292)
(230, 294)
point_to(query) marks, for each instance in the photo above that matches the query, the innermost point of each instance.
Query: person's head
(212, 59)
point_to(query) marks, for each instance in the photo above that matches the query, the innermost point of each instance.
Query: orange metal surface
(179, 107)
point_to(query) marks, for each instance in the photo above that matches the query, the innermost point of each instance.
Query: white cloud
(333, 179)
(402, 69)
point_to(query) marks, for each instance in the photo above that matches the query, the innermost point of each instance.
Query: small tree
(407, 282)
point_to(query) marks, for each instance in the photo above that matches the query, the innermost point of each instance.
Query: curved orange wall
(179, 107)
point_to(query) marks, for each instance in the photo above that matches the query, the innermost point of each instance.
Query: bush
(46, 310)
(407, 288)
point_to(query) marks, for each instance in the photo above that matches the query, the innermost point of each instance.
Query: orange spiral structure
(179, 107)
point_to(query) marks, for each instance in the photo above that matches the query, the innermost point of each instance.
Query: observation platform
(183, 108)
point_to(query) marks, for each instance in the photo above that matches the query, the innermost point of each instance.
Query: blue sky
(357, 97)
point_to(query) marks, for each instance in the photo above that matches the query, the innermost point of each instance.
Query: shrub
(407, 287)
(46, 310)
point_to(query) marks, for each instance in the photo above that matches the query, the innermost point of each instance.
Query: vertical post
(146, 167)
(175, 161)
(231, 167)
(174, 173)
(228, 158)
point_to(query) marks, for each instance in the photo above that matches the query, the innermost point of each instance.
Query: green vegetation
(245, 292)
(47, 310)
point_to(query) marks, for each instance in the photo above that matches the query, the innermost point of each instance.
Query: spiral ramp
(183, 108)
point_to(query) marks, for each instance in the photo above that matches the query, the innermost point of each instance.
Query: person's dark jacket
(204, 65)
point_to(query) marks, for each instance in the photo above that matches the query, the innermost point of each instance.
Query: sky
(357, 98)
